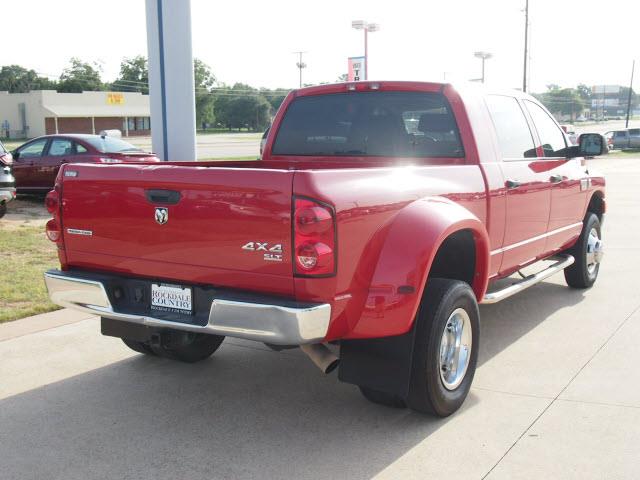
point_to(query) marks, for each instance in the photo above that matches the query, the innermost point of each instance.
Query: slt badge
(162, 215)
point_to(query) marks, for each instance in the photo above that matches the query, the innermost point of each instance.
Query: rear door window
(369, 124)
(551, 136)
(512, 129)
(634, 131)
(60, 147)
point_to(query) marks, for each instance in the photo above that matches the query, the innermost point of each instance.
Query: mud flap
(382, 364)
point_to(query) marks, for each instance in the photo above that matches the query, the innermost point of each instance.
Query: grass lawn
(631, 153)
(12, 144)
(26, 254)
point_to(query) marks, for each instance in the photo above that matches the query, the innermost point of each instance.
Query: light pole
(367, 27)
(483, 56)
(300, 64)
(526, 46)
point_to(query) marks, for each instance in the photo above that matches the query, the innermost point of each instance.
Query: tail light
(314, 238)
(52, 202)
(53, 231)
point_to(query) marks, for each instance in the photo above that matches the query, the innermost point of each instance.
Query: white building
(40, 112)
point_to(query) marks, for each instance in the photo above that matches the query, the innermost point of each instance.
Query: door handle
(556, 178)
(169, 197)
(512, 183)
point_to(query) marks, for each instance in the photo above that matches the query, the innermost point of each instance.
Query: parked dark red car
(36, 163)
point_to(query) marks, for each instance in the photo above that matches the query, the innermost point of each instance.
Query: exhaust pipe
(324, 358)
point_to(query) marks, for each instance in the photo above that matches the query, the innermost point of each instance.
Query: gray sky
(589, 41)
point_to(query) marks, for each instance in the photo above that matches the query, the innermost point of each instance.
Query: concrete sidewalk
(556, 395)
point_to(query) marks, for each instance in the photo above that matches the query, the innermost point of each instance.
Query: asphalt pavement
(556, 395)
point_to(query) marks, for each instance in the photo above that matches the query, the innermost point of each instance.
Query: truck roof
(382, 85)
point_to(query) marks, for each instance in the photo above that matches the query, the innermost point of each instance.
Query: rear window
(111, 145)
(369, 124)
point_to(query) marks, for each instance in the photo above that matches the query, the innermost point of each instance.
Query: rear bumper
(269, 319)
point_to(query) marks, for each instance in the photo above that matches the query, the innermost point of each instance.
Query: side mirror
(15, 154)
(591, 144)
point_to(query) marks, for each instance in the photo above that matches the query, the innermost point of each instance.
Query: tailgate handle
(170, 197)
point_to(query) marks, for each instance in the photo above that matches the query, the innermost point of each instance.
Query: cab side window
(551, 136)
(514, 136)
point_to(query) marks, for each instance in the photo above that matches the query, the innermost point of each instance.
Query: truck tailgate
(211, 225)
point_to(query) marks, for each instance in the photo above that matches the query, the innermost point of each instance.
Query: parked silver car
(625, 139)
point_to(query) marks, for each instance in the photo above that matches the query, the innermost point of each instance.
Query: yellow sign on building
(115, 99)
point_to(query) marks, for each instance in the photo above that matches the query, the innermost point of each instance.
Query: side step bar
(495, 297)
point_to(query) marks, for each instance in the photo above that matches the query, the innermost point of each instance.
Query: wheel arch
(420, 243)
(597, 204)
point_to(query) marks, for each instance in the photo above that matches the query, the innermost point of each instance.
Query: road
(604, 127)
(556, 395)
(216, 145)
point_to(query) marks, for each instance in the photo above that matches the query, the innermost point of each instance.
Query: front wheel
(3, 209)
(588, 252)
(445, 349)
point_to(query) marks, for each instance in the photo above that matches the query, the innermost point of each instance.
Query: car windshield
(112, 145)
(369, 124)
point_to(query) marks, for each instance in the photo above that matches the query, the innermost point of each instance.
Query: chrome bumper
(262, 322)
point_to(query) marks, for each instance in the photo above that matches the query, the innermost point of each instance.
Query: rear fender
(412, 241)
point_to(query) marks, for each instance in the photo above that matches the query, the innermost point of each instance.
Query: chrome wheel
(595, 251)
(455, 349)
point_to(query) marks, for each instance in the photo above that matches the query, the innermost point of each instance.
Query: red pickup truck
(378, 218)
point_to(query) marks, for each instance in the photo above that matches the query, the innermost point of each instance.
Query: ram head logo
(162, 215)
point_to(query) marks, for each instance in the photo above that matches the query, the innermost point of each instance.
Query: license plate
(171, 298)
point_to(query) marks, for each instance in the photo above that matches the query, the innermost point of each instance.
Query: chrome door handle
(556, 178)
(512, 183)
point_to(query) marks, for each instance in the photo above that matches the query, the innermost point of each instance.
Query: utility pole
(633, 67)
(300, 64)
(526, 46)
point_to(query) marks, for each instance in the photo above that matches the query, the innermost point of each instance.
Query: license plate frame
(171, 298)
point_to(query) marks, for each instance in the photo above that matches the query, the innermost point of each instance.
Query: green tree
(243, 107)
(566, 101)
(17, 79)
(134, 75)
(204, 82)
(584, 92)
(274, 97)
(80, 76)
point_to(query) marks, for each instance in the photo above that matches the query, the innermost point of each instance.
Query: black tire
(192, 348)
(3, 209)
(383, 398)
(427, 390)
(139, 347)
(580, 274)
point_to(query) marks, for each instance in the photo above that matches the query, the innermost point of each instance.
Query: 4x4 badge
(162, 215)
